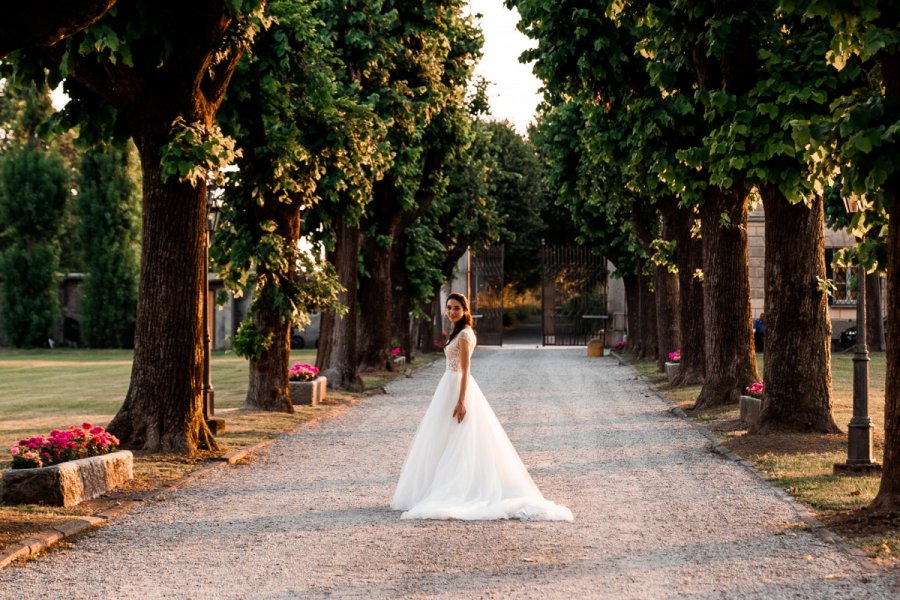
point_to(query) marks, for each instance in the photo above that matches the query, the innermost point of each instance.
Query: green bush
(108, 214)
(34, 188)
(30, 298)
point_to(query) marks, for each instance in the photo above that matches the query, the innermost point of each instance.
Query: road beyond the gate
(657, 513)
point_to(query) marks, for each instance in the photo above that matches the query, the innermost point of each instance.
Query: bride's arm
(460, 411)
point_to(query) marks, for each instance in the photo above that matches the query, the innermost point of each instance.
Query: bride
(461, 464)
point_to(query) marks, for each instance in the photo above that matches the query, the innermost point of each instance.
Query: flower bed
(61, 446)
(302, 372)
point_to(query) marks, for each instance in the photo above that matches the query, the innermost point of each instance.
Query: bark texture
(388, 219)
(402, 309)
(888, 499)
(337, 357)
(376, 298)
(798, 328)
(268, 382)
(668, 328)
(423, 328)
(632, 310)
(689, 257)
(730, 359)
(874, 310)
(267, 386)
(668, 316)
(646, 320)
(162, 411)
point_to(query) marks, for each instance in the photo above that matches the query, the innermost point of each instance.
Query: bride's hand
(459, 412)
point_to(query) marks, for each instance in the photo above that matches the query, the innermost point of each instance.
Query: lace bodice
(451, 350)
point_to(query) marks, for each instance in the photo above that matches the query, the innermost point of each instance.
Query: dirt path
(657, 515)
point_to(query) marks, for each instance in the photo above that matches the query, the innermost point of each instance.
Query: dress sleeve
(468, 335)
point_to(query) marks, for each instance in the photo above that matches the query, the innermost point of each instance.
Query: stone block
(308, 393)
(672, 371)
(399, 364)
(750, 408)
(68, 483)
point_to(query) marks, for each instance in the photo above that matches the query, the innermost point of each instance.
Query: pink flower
(14, 450)
(675, 356)
(86, 425)
(755, 389)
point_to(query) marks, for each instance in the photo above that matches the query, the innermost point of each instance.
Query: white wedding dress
(467, 470)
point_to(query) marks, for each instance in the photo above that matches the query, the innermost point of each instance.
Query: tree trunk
(389, 218)
(874, 324)
(689, 257)
(401, 308)
(730, 358)
(267, 387)
(646, 320)
(375, 298)
(888, 499)
(425, 326)
(668, 323)
(326, 334)
(632, 310)
(668, 332)
(798, 329)
(162, 411)
(342, 368)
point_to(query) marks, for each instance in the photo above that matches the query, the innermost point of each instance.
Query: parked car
(848, 336)
(308, 337)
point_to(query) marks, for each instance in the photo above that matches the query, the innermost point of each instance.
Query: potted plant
(751, 402)
(673, 365)
(66, 467)
(306, 385)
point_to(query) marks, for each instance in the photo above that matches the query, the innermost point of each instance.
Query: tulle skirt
(467, 470)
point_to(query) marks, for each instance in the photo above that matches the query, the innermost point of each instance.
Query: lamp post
(859, 442)
(216, 424)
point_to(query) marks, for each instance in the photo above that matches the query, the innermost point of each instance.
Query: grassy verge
(802, 463)
(45, 389)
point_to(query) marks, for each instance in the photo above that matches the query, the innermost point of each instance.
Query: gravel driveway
(657, 514)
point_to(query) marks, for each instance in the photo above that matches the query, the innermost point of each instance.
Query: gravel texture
(657, 513)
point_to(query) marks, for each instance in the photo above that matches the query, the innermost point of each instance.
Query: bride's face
(454, 311)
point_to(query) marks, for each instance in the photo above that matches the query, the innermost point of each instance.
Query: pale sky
(513, 89)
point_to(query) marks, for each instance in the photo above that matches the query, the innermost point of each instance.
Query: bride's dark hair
(466, 318)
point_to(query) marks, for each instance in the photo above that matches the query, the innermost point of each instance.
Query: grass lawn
(47, 389)
(803, 463)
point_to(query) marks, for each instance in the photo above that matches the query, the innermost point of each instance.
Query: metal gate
(573, 295)
(487, 295)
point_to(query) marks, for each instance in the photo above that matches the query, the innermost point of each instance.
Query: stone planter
(399, 364)
(750, 408)
(309, 393)
(672, 370)
(596, 345)
(68, 483)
